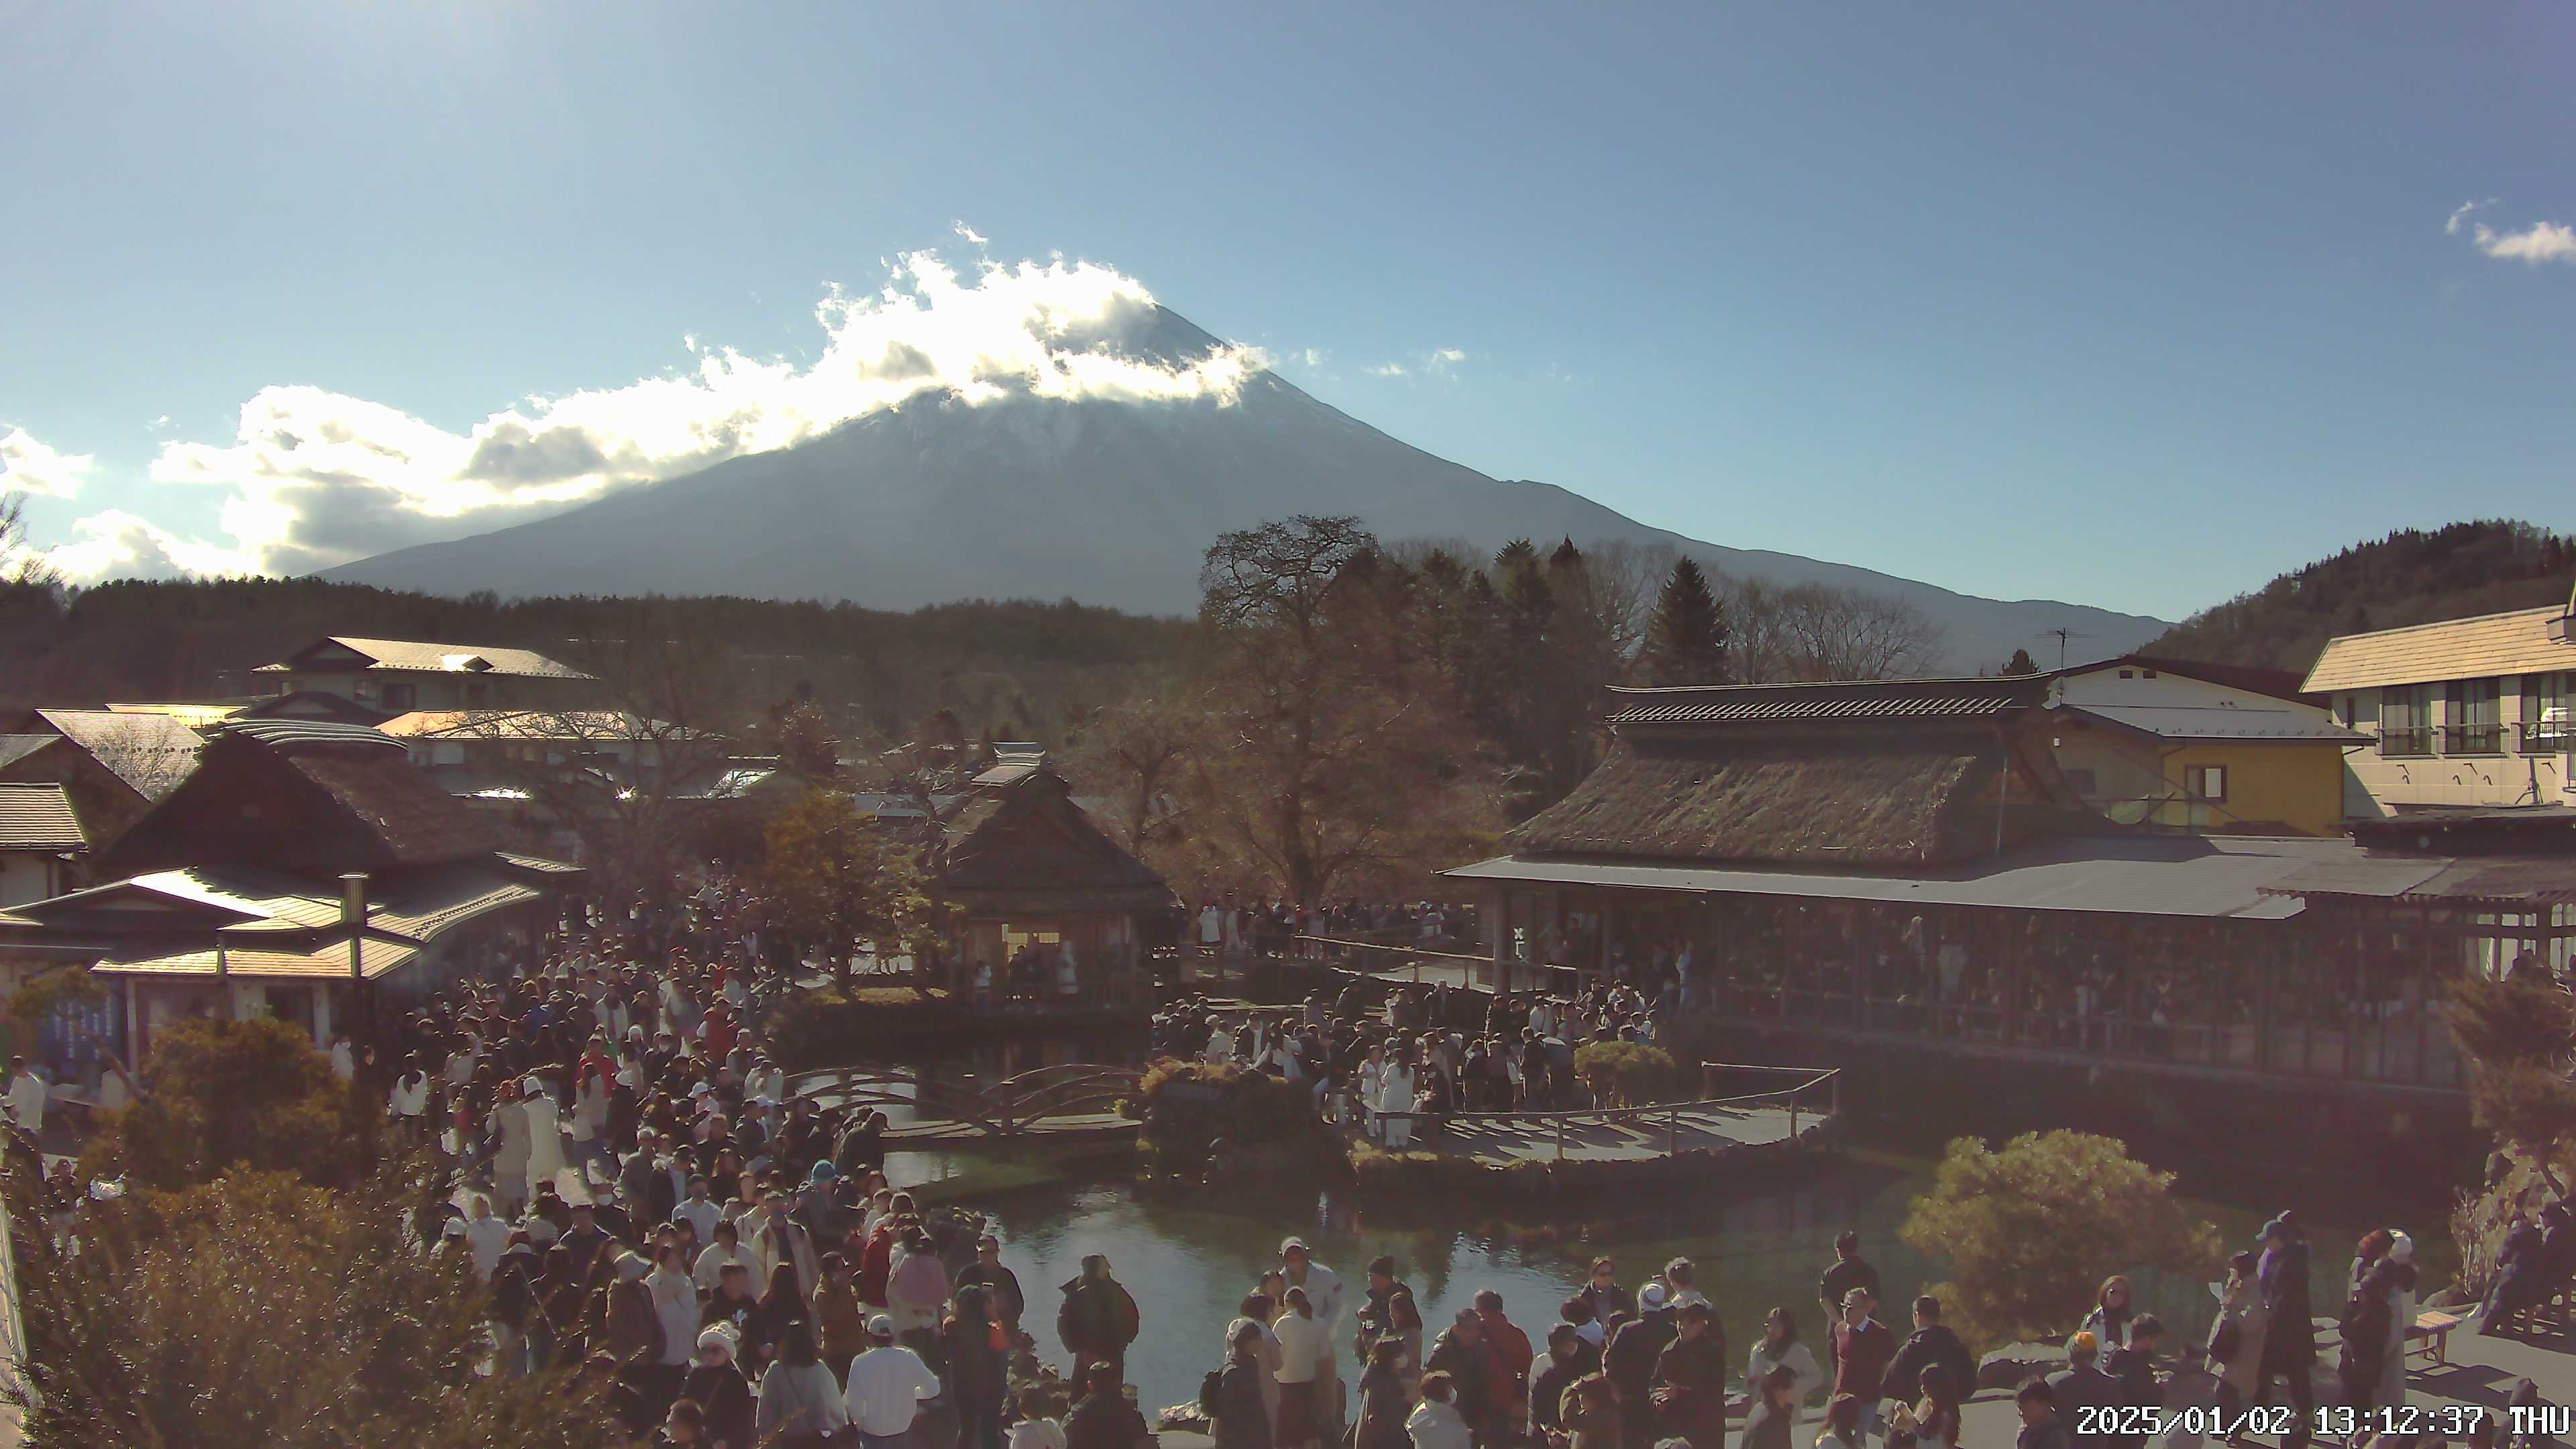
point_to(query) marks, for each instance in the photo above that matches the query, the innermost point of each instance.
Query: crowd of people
(1422, 1054)
(654, 1213)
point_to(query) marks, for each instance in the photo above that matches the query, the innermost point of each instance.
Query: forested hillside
(2408, 577)
(1023, 668)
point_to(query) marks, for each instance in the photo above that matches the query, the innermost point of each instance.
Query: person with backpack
(2368, 1321)
(1231, 1397)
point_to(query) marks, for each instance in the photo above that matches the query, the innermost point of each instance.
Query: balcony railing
(2405, 742)
(2548, 739)
(2476, 739)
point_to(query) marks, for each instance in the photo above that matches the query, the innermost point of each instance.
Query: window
(2406, 720)
(2471, 728)
(2548, 715)
(2208, 782)
(395, 696)
(2128, 674)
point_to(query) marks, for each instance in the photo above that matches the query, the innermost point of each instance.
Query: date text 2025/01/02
(2340, 1421)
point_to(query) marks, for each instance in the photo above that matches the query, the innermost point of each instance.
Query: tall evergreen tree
(2021, 663)
(1687, 637)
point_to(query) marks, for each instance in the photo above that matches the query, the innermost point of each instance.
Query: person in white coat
(1779, 1347)
(1395, 1096)
(27, 1093)
(545, 1135)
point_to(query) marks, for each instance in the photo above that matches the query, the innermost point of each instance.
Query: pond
(1190, 1255)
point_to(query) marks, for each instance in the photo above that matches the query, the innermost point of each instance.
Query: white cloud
(1385, 369)
(317, 478)
(2542, 241)
(1444, 358)
(117, 544)
(159, 424)
(28, 466)
(1313, 357)
(973, 238)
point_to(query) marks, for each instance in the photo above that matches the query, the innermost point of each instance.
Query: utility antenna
(2061, 635)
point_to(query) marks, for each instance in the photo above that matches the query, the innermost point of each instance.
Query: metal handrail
(1606, 1113)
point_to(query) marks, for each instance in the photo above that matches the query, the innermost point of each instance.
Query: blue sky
(2128, 307)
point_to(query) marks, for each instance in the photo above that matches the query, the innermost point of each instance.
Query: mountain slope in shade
(1103, 501)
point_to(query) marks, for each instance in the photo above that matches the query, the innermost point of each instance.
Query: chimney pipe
(353, 918)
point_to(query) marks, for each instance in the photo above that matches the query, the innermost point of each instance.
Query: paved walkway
(1634, 1138)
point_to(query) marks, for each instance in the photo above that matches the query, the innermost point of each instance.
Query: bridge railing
(1005, 1108)
(1798, 1099)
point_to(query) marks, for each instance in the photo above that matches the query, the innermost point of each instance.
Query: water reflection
(1190, 1255)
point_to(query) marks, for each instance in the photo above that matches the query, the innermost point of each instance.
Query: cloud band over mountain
(315, 477)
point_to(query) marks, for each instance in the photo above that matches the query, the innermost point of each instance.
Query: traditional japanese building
(1035, 880)
(305, 871)
(1899, 871)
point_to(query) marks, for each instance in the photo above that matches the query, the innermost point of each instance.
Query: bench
(2433, 1327)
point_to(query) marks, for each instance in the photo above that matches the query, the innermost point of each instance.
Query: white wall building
(2464, 714)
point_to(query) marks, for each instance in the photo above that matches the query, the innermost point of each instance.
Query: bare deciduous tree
(1816, 632)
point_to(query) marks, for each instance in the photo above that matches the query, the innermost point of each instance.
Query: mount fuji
(1106, 501)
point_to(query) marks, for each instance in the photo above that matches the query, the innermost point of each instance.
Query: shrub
(1624, 1074)
(221, 1095)
(2031, 1231)
(1189, 1104)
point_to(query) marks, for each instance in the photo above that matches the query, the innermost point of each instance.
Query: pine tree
(2021, 663)
(1687, 637)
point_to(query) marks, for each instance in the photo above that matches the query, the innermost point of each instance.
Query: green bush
(1189, 1104)
(221, 1095)
(1623, 1074)
(2031, 1231)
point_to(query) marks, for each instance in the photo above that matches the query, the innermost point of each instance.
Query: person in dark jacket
(1933, 1344)
(1773, 1416)
(1555, 1374)
(2041, 1428)
(2132, 1369)
(1863, 1347)
(1098, 1319)
(2081, 1390)
(2522, 1276)
(1384, 1400)
(2290, 1333)
(1689, 1392)
(1629, 1363)
(1462, 1353)
(1849, 1271)
(978, 1375)
(1003, 1299)
(715, 1383)
(1103, 1419)
(1242, 1416)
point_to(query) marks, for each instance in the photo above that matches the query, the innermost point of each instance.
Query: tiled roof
(375, 959)
(38, 817)
(150, 752)
(413, 657)
(526, 724)
(2210, 722)
(1869, 699)
(2479, 648)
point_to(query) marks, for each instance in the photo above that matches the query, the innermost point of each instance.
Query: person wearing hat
(716, 1383)
(1099, 1318)
(1628, 1360)
(1689, 1392)
(2290, 1334)
(1001, 1286)
(2081, 1389)
(886, 1386)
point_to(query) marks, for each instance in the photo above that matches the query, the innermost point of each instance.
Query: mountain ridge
(1108, 501)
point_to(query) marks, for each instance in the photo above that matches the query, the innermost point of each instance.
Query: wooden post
(1672, 1129)
(1560, 1136)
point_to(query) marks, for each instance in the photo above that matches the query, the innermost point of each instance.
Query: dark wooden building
(305, 870)
(1037, 882)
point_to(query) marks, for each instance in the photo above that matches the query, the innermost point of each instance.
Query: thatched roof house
(1871, 773)
(1028, 868)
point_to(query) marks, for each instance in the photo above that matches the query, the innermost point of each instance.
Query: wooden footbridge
(1076, 1099)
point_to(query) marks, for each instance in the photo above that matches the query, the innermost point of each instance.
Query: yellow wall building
(2204, 748)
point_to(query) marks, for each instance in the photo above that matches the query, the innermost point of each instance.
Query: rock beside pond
(2011, 1365)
